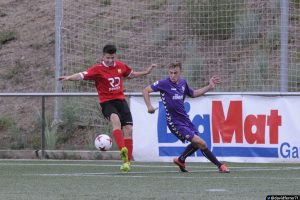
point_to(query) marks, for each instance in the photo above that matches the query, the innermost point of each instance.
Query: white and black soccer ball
(103, 142)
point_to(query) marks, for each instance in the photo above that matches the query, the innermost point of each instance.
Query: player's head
(109, 53)
(109, 49)
(175, 71)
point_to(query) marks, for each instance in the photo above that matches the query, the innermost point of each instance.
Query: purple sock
(189, 150)
(210, 156)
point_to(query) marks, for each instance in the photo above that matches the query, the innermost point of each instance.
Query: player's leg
(189, 150)
(183, 133)
(126, 123)
(117, 131)
(126, 152)
(127, 129)
(118, 135)
(180, 161)
(110, 112)
(208, 154)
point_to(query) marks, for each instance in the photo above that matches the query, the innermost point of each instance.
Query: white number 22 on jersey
(114, 82)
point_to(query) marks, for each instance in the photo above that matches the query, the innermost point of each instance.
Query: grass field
(101, 180)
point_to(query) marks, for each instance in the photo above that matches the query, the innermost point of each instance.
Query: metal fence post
(58, 70)
(43, 128)
(284, 34)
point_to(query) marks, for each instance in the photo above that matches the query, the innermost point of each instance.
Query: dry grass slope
(27, 55)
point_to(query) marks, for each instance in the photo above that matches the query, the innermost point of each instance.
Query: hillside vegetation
(243, 47)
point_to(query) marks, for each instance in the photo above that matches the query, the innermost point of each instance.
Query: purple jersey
(173, 96)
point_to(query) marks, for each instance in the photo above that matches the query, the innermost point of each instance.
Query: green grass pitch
(102, 180)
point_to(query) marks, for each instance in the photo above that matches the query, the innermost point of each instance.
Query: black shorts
(119, 107)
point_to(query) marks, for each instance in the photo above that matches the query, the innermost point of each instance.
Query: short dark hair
(110, 49)
(175, 64)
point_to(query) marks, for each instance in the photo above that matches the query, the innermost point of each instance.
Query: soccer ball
(103, 142)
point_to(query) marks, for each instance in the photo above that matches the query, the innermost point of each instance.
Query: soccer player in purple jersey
(173, 91)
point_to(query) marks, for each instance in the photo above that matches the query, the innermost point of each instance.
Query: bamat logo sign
(231, 135)
(236, 128)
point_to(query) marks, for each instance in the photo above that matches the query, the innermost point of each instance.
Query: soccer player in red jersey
(108, 76)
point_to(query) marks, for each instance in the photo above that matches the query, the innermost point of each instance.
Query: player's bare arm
(74, 77)
(146, 95)
(212, 84)
(142, 73)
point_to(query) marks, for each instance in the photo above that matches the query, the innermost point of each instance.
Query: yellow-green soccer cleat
(125, 167)
(124, 154)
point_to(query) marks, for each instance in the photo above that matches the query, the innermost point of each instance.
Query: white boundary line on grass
(195, 169)
(203, 168)
(144, 174)
(127, 175)
(101, 165)
(112, 165)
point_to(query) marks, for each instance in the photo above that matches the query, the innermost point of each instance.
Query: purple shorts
(184, 133)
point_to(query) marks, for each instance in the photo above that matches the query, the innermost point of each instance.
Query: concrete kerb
(60, 154)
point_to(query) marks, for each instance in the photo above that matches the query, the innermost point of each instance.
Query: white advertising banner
(236, 128)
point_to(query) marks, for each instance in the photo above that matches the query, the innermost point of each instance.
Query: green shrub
(161, 35)
(297, 3)
(5, 122)
(272, 39)
(17, 140)
(294, 78)
(246, 27)
(213, 18)
(105, 2)
(156, 5)
(66, 128)
(15, 74)
(193, 65)
(6, 36)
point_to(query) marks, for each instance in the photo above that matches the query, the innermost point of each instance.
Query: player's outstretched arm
(142, 73)
(74, 77)
(212, 84)
(146, 95)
